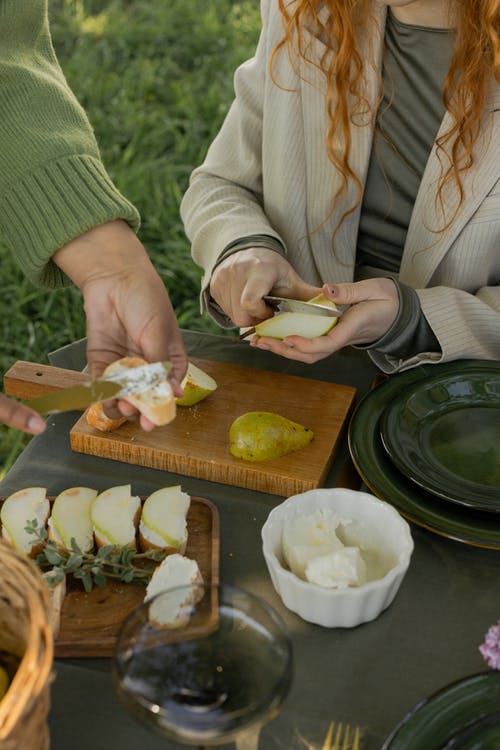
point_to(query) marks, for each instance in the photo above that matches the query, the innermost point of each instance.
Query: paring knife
(119, 385)
(283, 304)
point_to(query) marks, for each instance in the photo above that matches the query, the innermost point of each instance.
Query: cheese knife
(119, 385)
(284, 304)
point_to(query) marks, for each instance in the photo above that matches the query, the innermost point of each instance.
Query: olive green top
(415, 64)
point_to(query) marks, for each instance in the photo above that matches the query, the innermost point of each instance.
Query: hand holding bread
(155, 404)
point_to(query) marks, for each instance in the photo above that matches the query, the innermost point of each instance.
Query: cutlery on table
(343, 737)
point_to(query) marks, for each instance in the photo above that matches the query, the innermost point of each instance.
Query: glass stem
(249, 740)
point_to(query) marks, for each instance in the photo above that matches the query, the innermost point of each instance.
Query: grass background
(155, 77)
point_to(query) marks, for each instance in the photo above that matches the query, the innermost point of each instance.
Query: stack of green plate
(461, 716)
(428, 441)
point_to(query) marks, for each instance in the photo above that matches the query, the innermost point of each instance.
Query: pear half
(20, 508)
(263, 435)
(196, 385)
(115, 513)
(163, 521)
(299, 324)
(70, 518)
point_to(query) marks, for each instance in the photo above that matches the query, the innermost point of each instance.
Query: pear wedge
(17, 510)
(70, 518)
(295, 324)
(115, 514)
(263, 435)
(163, 520)
(196, 385)
(299, 324)
(321, 299)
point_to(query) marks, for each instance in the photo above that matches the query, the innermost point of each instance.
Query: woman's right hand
(14, 414)
(241, 280)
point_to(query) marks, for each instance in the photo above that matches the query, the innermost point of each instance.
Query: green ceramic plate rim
(385, 481)
(448, 486)
(446, 712)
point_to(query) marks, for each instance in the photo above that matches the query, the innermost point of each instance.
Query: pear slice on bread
(156, 402)
(172, 607)
(70, 518)
(163, 522)
(17, 511)
(115, 514)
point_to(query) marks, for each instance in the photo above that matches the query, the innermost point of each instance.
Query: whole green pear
(263, 435)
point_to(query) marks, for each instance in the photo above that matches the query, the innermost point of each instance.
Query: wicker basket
(26, 641)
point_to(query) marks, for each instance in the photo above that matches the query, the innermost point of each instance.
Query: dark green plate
(462, 716)
(444, 433)
(383, 478)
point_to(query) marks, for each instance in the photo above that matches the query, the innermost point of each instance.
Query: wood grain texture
(196, 443)
(90, 621)
(27, 379)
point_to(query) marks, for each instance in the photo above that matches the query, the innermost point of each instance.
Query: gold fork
(343, 738)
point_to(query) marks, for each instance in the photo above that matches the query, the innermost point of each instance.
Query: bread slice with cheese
(157, 402)
(163, 523)
(172, 609)
(115, 514)
(70, 518)
(20, 509)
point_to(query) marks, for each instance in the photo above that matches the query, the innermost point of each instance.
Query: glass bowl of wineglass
(204, 665)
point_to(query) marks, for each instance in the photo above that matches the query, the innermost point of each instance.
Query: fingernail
(331, 290)
(36, 424)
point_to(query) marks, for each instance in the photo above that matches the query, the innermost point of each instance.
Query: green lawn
(155, 77)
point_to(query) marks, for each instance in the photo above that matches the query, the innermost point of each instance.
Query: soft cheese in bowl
(336, 556)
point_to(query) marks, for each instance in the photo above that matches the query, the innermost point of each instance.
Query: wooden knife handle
(28, 379)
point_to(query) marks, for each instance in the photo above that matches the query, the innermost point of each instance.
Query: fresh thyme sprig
(94, 569)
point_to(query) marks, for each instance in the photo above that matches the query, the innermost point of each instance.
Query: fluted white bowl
(373, 525)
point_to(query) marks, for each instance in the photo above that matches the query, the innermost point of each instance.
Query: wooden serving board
(196, 443)
(90, 621)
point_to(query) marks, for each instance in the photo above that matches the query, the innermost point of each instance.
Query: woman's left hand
(373, 307)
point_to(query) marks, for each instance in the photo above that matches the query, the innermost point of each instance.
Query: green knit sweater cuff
(52, 206)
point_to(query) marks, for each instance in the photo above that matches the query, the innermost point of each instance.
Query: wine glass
(204, 665)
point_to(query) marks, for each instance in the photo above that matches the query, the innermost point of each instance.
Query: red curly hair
(476, 58)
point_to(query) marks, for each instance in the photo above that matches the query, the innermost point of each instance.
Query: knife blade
(119, 385)
(284, 304)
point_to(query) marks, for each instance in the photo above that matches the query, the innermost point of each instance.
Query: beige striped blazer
(267, 172)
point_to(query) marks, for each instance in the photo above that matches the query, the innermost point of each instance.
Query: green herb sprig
(94, 569)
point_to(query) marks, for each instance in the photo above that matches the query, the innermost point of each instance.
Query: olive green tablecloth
(371, 675)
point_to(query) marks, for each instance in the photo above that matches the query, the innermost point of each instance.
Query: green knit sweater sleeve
(53, 185)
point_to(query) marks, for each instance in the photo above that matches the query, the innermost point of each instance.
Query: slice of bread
(70, 518)
(174, 608)
(163, 522)
(17, 511)
(115, 514)
(157, 403)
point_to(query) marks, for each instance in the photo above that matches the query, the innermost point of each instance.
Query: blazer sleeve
(467, 326)
(53, 185)
(224, 201)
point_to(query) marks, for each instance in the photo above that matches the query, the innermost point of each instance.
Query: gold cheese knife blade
(284, 304)
(119, 385)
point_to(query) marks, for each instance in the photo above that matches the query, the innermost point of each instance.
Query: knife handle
(26, 380)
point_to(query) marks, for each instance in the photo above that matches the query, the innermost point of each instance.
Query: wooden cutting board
(90, 621)
(196, 443)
